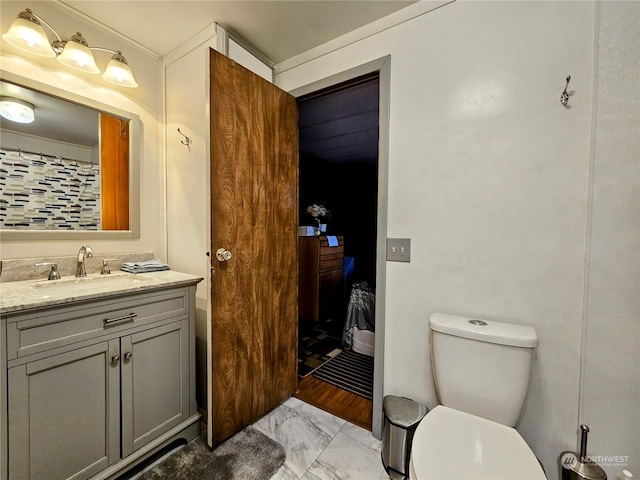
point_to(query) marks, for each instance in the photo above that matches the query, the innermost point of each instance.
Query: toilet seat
(449, 444)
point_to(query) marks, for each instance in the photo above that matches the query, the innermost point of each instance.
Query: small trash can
(401, 418)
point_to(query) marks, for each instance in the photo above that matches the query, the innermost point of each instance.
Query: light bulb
(76, 54)
(118, 72)
(27, 34)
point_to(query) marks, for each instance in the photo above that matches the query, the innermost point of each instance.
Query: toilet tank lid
(490, 331)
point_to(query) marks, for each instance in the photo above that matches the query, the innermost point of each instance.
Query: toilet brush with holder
(581, 467)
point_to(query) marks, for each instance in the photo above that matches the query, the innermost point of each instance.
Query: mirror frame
(135, 148)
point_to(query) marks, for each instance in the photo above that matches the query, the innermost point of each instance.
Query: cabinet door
(155, 383)
(64, 414)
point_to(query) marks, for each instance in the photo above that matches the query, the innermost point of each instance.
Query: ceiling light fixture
(26, 32)
(16, 110)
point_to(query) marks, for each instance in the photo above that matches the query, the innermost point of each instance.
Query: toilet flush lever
(223, 255)
(480, 323)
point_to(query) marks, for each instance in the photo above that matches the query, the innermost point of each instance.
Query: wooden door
(254, 215)
(114, 165)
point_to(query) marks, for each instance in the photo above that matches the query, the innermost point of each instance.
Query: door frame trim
(381, 65)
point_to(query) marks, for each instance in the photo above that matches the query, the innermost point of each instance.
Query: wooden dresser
(320, 283)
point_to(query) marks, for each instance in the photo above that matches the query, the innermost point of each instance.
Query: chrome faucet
(84, 252)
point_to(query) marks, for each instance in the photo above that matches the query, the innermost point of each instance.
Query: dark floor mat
(248, 455)
(350, 371)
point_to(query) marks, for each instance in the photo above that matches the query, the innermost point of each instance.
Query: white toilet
(481, 370)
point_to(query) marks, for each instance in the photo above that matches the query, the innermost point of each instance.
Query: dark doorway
(339, 165)
(338, 140)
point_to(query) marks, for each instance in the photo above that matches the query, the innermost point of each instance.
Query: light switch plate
(399, 249)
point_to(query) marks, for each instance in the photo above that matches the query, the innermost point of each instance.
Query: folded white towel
(154, 265)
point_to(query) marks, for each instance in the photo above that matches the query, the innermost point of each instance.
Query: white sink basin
(93, 280)
(22, 295)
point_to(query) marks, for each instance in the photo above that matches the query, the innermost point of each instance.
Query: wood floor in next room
(320, 338)
(338, 402)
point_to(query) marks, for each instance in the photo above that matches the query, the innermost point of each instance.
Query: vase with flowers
(319, 213)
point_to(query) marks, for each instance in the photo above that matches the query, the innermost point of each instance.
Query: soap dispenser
(581, 468)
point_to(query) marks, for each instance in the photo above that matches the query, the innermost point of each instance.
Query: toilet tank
(482, 367)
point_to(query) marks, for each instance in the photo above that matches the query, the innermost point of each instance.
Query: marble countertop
(32, 294)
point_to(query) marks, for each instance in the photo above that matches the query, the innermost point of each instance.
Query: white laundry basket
(363, 341)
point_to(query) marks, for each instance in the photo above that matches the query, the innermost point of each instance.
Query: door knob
(223, 255)
(128, 355)
(115, 359)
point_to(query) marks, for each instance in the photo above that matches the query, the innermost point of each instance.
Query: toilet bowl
(481, 370)
(449, 444)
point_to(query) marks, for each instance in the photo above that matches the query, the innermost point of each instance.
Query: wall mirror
(69, 166)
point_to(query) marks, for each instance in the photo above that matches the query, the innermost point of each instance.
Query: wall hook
(124, 133)
(564, 98)
(186, 141)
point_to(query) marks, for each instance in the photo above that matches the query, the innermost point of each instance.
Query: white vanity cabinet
(93, 387)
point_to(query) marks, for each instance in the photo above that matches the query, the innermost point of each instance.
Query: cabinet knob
(115, 359)
(128, 355)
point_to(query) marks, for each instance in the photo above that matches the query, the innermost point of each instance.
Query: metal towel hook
(564, 98)
(186, 141)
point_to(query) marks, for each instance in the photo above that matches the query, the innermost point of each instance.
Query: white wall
(610, 400)
(23, 141)
(143, 101)
(188, 184)
(488, 176)
(248, 60)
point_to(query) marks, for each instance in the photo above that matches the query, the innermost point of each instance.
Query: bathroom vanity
(96, 373)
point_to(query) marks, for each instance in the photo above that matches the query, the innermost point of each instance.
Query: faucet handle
(105, 266)
(53, 273)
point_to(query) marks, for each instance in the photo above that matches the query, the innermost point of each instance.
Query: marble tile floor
(320, 446)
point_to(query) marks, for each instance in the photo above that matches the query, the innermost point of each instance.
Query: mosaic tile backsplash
(48, 194)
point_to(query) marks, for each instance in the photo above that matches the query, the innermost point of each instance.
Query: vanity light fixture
(76, 54)
(118, 70)
(26, 32)
(16, 110)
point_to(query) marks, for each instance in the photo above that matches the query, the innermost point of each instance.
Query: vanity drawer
(55, 327)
